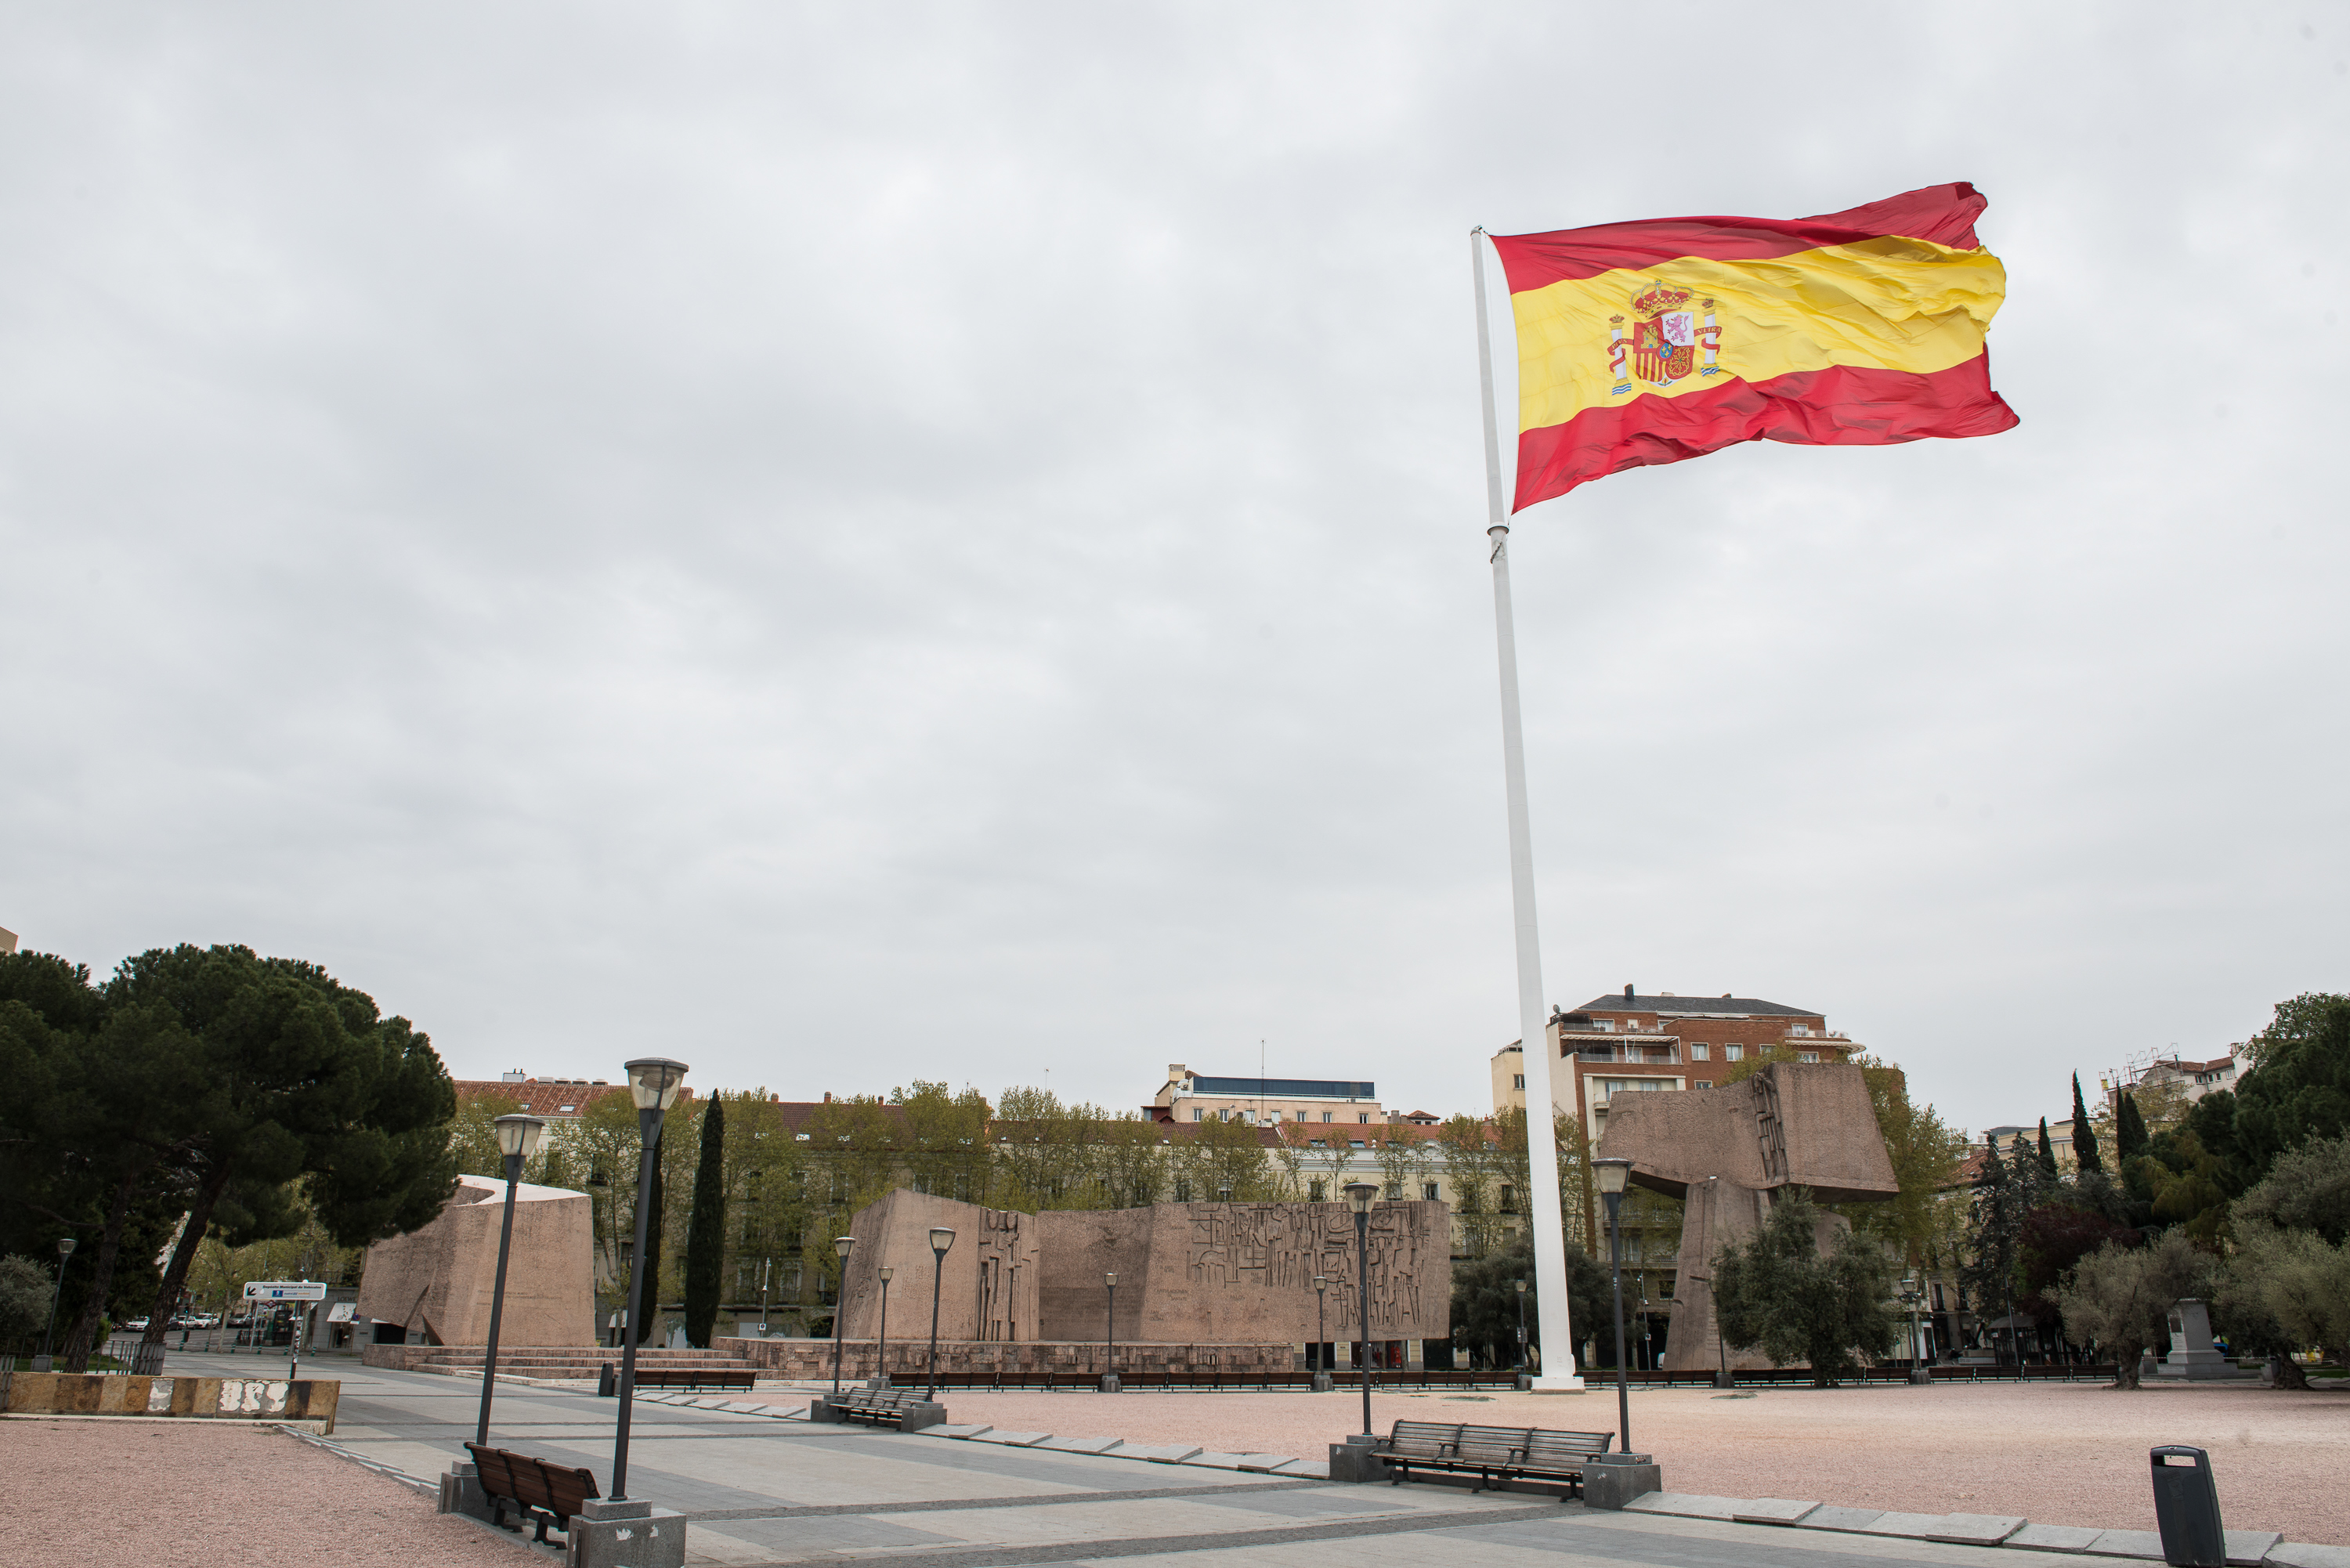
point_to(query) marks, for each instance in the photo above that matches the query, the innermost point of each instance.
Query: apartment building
(1632, 1043)
(1188, 1097)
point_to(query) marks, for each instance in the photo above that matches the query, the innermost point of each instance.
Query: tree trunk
(2126, 1360)
(183, 1256)
(80, 1338)
(2286, 1373)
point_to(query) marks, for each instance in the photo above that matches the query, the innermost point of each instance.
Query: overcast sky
(848, 545)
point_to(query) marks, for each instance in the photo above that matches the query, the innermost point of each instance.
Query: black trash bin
(2187, 1509)
(607, 1385)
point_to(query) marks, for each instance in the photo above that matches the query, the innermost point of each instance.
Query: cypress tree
(2130, 1139)
(705, 1229)
(2085, 1135)
(649, 1308)
(2047, 1151)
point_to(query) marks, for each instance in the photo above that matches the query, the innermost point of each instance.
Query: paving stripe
(942, 1505)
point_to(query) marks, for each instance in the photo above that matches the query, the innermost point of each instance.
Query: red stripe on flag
(1945, 215)
(1841, 406)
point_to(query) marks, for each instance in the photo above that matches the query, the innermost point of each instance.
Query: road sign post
(273, 1291)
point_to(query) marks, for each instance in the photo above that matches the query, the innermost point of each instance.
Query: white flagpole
(1558, 1374)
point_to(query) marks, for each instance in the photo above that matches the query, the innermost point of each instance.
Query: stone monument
(2192, 1356)
(1208, 1273)
(433, 1285)
(1727, 1153)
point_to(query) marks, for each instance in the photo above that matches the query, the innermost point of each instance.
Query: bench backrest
(1566, 1447)
(558, 1489)
(1425, 1434)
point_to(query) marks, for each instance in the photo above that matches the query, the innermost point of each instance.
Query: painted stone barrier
(232, 1398)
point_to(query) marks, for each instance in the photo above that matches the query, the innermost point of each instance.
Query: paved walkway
(759, 1489)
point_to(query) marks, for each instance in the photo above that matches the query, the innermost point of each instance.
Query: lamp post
(517, 1141)
(65, 1255)
(1321, 1358)
(840, 1244)
(767, 1268)
(882, 1346)
(1358, 1198)
(1521, 1379)
(941, 1238)
(1109, 1383)
(1612, 1175)
(1911, 1295)
(653, 1084)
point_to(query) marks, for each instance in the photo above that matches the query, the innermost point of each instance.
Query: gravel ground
(2055, 1452)
(216, 1494)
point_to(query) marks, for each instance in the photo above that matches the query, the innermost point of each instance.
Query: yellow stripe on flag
(1891, 303)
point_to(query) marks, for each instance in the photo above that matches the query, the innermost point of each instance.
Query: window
(1607, 1025)
(1807, 1055)
(1733, 1052)
(1354, 1143)
(1700, 1052)
(1198, 1114)
(1363, 1116)
(1395, 1191)
(1800, 1030)
(1182, 1191)
(1317, 1191)
(1509, 1204)
(1705, 1083)
(1519, 1081)
(1325, 1115)
(1428, 1190)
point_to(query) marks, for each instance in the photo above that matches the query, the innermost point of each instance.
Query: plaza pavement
(760, 1489)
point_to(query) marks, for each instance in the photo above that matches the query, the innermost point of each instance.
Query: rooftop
(1671, 1006)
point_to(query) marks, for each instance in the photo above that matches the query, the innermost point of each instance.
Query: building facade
(1188, 1097)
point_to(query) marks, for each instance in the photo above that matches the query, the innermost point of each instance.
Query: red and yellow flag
(1641, 343)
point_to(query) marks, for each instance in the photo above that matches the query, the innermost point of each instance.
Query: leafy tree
(2084, 1134)
(705, 1233)
(1780, 1293)
(2308, 1188)
(1485, 1301)
(2300, 1280)
(2004, 1193)
(300, 1077)
(1477, 1168)
(473, 1135)
(2299, 1087)
(25, 1291)
(2055, 1237)
(2120, 1297)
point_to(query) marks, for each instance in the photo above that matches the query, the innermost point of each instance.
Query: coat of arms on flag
(1666, 341)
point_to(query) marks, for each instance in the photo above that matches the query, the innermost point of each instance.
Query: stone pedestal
(1109, 1383)
(1323, 1383)
(461, 1493)
(607, 1533)
(2192, 1354)
(1612, 1480)
(1355, 1460)
(920, 1413)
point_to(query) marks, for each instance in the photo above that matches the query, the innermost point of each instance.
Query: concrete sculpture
(1208, 1273)
(432, 1286)
(1727, 1153)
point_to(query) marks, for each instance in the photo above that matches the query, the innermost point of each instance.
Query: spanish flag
(1641, 343)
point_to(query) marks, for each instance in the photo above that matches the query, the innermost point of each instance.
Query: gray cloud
(849, 547)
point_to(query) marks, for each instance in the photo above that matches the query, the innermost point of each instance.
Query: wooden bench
(683, 1378)
(544, 1493)
(1495, 1453)
(884, 1407)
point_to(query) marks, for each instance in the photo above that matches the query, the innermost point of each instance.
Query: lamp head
(1321, 1281)
(66, 1245)
(941, 1238)
(654, 1081)
(1110, 1278)
(885, 1272)
(518, 1135)
(1522, 1287)
(841, 1244)
(1613, 1174)
(1359, 1195)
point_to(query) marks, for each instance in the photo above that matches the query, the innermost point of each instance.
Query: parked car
(136, 1326)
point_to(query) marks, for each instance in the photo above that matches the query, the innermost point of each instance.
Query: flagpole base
(1570, 1384)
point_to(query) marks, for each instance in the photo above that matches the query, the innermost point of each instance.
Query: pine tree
(2130, 1139)
(2085, 1135)
(705, 1229)
(2047, 1151)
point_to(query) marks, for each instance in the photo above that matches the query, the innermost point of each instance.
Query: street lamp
(941, 1238)
(881, 1347)
(1522, 1380)
(64, 1254)
(517, 1141)
(1613, 1174)
(653, 1084)
(1320, 1359)
(1109, 1383)
(840, 1244)
(1911, 1295)
(1358, 1198)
